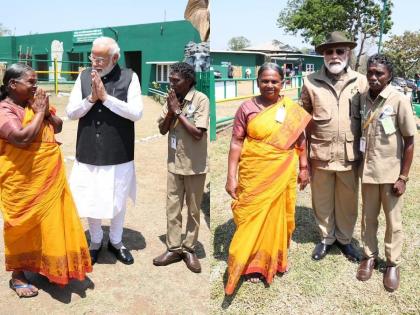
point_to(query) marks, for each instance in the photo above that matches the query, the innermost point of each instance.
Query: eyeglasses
(98, 60)
(27, 83)
(338, 51)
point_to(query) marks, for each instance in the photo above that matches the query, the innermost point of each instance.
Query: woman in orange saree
(267, 144)
(42, 230)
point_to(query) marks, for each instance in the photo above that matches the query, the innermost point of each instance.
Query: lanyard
(371, 114)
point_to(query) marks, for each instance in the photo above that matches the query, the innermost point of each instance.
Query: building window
(162, 73)
(310, 67)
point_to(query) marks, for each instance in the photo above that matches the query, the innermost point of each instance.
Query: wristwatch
(403, 178)
(178, 112)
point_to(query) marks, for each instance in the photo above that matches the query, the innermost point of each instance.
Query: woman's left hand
(303, 178)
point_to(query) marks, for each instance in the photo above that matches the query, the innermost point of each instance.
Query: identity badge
(387, 111)
(388, 125)
(281, 114)
(173, 142)
(362, 144)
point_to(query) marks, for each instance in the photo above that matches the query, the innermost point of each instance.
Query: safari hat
(334, 39)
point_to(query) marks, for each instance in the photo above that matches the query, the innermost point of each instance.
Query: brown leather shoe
(364, 272)
(167, 258)
(191, 261)
(392, 278)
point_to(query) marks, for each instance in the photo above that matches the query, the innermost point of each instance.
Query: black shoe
(349, 251)
(320, 251)
(94, 255)
(122, 254)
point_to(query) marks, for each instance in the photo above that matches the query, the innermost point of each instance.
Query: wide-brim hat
(335, 39)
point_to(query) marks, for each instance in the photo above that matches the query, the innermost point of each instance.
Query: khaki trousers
(190, 188)
(373, 195)
(334, 200)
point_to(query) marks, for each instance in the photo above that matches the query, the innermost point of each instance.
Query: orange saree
(42, 230)
(264, 210)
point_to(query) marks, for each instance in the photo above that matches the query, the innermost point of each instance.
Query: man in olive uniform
(387, 143)
(332, 96)
(185, 118)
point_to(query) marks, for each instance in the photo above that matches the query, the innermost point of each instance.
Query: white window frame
(310, 67)
(160, 73)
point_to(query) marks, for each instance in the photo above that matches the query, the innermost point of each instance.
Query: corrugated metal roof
(272, 46)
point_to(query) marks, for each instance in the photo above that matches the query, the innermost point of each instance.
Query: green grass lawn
(325, 287)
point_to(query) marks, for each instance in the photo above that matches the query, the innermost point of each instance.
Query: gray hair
(114, 49)
(15, 71)
(270, 66)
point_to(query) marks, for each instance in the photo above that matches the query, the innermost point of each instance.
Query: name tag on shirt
(388, 125)
(281, 114)
(362, 147)
(173, 142)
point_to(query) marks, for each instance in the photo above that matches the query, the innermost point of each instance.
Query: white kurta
(101, 192)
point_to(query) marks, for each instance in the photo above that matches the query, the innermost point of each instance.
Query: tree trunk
(359, 55)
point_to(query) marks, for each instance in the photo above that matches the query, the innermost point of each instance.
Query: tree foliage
(314, 19)
(4, 30)
(404, 52)
(238, 43)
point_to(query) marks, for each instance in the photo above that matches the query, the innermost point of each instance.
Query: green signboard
(86, 36)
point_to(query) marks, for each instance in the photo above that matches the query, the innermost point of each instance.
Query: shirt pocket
(320, 147)
(352, 147)
(321, 113)
(379, 129)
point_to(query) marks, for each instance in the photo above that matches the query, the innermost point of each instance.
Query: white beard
(106, 70)
(336, 68)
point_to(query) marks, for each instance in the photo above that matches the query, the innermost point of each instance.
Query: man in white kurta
(107, 101)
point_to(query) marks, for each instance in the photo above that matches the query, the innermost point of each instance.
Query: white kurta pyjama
(101, 192)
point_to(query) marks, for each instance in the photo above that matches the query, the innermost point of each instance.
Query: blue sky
(47, 16)
(254, 19)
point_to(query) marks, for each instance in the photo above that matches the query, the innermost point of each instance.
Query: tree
(4, 30)
(370, 45)
(314, 19)
(404, 52)
(238, 43)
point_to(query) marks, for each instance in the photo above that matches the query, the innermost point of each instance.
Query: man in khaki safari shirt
(387, 143)
(185, 116)
(332, 96)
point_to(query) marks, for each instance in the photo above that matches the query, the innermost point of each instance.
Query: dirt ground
(112, 287)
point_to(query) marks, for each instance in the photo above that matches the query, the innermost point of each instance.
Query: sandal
(15, 287)
(254, 277)
(285, 272)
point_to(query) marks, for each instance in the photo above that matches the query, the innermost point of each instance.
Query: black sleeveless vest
(103, 137)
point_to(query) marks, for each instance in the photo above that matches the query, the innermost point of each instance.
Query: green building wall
(153, 42)
(219, 61)
(297, 59)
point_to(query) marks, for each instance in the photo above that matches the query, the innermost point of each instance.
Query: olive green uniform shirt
(383, 153)
(191, 155)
